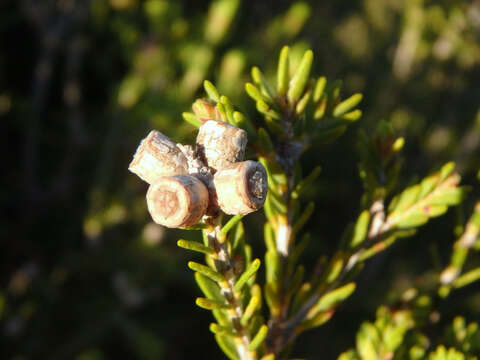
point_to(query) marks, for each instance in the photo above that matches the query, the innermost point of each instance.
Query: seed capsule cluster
(188, 182)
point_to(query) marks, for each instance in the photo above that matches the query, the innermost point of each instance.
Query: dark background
(85, 274)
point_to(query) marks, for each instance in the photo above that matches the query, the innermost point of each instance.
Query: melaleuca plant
(261, 318)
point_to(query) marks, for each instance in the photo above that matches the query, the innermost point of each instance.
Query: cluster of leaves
(399, 330)
(299, 112)
(71, 284)
(398, 333)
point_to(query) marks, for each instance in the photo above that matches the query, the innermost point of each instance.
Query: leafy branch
(298, 112)
(227, 286)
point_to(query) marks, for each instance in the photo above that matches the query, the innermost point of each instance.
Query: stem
(378, 229)
(224, 265)
(287, 153)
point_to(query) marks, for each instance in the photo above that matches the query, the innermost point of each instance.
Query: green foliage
(399, 334)
(85, 272)
(292, 119)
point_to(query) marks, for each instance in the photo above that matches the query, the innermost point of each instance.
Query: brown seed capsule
(241, 187)
(220, 144)
(157, 156)
(177, 201)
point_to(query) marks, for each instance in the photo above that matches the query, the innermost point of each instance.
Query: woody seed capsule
(177, 201)
(241, 187)
(220, 144)
(157, 156)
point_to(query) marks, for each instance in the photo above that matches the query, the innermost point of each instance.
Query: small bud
(220, 144)
(177, 201)
(157, 156)
(241, 188)
(205, 110)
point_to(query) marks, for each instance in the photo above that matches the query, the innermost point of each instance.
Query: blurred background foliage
(85, 274)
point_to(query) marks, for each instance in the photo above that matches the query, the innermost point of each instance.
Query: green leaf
(247, 274)
(205, 270)
(319, 88)
(254, 92)
(231, 223)
(300, 78)
(266, 110)
(195, 246)
(347, 105)
(221, 330)
(381, 246)
(413, 220)
(272, 266)
(321, 108)
(221, 316)
(316, 321)
(334, 268)
(467, 278)
(208, 304)
(242, 122)
(449, 197)
(255, 324)
(282, 72)
(418, 203)
(361, 229)
(441, 353)
(416, 352)
(269, 237)
(276, 176)
(303, 102)
(212, 91)
(227, 345)
(352, 116)
(247, 253)
(260, 80)
(259, 338)
(475, 218)
(192, 119)
(305, 183)
(435, 210)
(428, 185)
(209, 288)
(253, 305)
(277, 202)
(331, 299)
(303, 217)
(237, 239)
(272, 299)
(222, 111)
(407, 198)
(228, 109)
(446, 170)
(368, 340)
(301, 296)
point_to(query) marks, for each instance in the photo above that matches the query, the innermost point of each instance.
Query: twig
(224, 265)
(378, 230)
